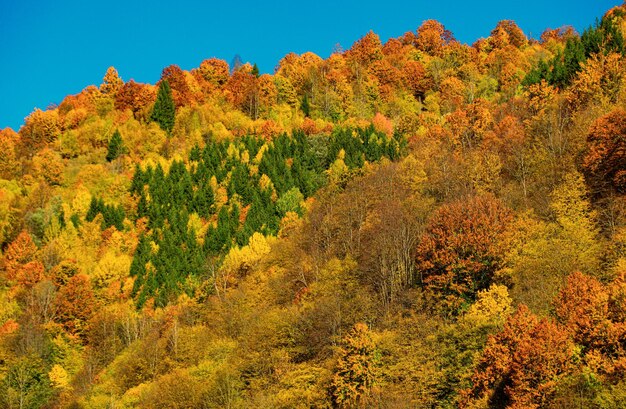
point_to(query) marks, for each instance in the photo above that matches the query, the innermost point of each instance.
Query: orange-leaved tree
(605, 161)
(594, 314)
(508, 33)
(111, 83)
(76, 304)
(19, 253)
(134, 96)
(214, 72)
(432, 37)
(463, 248)
(521, 365)
(181, 92)
(41, 128)
(9, 158)
(366, 50)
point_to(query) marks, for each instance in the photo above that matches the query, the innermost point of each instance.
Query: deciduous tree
(180, 91)
(41, 128)
(366, 50)
(111, 83)
(21, 251)
(605, 161)
(9, 160)
(356, 371)
(594, 315)
(76, 304)
(214, 71)
(521, 365)
(432, 37)
(134, 96)
(508, 33)
(463, 248)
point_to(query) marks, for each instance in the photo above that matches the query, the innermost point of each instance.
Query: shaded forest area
(414, 224)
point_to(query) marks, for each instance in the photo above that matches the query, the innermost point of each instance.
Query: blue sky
(50, 49)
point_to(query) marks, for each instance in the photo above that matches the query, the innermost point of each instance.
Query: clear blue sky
(49, 49)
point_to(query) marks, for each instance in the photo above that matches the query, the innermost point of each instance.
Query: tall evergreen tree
(139, 180)
(255, 70)
(164, 110)
(305, 106)
(116, 146)
(95, 207)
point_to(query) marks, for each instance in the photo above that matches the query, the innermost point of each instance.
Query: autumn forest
(418, 223)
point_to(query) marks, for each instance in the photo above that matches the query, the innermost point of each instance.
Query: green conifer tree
(142, 206)
(164, 110)
(255, 70)
(139, 180)
(95, 207)
(305, 106)
(116, 147)
(204, 200)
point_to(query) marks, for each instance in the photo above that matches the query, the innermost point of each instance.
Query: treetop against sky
(52, 49)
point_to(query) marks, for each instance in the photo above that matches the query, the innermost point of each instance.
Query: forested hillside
(414, 224)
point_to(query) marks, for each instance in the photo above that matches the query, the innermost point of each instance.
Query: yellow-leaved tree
(492, 306)
(240, 261)
(111, 83)
(578, 231)
(356, 371)
(544, 253)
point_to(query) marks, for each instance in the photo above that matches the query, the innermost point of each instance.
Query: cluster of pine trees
(288, 170)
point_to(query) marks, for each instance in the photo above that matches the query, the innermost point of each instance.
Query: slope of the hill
(419, 223)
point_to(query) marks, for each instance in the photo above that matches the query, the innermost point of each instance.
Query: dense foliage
(287, 170)
(419, 223)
